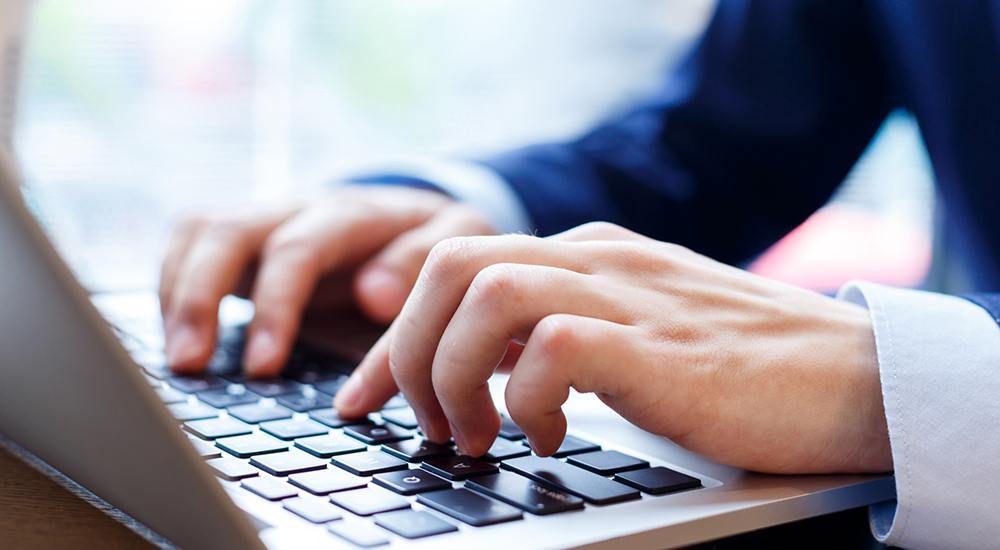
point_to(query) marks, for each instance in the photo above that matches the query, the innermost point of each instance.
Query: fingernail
(261, 350)
(185, 346)
(459, 440)
(349, 395)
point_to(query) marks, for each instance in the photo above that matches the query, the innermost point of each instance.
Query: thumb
(384, 282)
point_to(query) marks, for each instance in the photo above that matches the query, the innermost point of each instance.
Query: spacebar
(589, 486)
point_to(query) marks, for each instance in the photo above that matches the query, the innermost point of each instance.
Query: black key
(228, 397)
(314, 510)
(574, 445)
(193, 383)
(413, 525)
(290, 462)
(170, 395)
(575, 481)
(411, 482)
(365, 502)
(331, 386)
(245, 446)
(192, 411)
(334, 420)
(457, 468)
(417, 450)
(302, 402)
(509, 430)
(325, 446)
(269, 488)
(524, 493)
(374, 434)
(503, 449)
(658, 480)
(230, 469)
(369, 463)
(468, 507)
(259, 412)
(293, 428)
(324, 482)
(358, 534)
(217, 427)
(607, 463)
(204, 449)
(403, 417)
(273, 387)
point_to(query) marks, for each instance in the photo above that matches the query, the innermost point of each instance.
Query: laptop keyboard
(281, 441)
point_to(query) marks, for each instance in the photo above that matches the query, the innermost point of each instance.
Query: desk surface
(36, 512)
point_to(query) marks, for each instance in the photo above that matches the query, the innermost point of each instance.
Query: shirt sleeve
(939, 363)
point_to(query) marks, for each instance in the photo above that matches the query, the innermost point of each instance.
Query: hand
(357, 245)
(737, 368)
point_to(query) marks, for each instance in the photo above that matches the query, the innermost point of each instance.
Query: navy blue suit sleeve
(749, 138)
(988, 301)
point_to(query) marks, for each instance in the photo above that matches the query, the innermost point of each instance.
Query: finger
(178, 243)
(599, 231)
(370, 385)
(563, 352)
(504, 303)
(382, 284)
(317, 242)
(443, 282)
(211, 269)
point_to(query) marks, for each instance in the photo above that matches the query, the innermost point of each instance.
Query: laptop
(218, 461)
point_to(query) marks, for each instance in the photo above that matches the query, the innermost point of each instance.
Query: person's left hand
(735, 367)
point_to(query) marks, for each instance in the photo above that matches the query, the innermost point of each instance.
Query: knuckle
(604, 230)
(448, 258)
(288, 244)
(554, 337)
(497, 283)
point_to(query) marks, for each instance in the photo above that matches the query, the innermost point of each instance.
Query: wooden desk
(36, 512)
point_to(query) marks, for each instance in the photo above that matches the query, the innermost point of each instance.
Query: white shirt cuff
(468, 182)
(939, 362)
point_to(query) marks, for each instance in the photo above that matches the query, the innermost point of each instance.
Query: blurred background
(132, 112)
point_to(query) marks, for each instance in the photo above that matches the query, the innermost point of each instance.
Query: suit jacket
(769, 113)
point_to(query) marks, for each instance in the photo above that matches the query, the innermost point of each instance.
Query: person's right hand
(362, 244)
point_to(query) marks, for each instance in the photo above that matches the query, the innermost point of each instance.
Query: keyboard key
(245, 446)
(413, 525)
(524, 493)
(330, 480)
(193, 383)
(230, 469)
(290, 462)
(305, 401)
(273, 387)
(395, 402)
(259, 412)
(192, 411)
(410, 482)
(575, 481)
(403, 417)
(325, 446)
(468, 507)
(607, 463)
(417, 450)
(369, 501)
(369, 463)
(213, 428)
(332, 386)
(228, 397)
(204, 449)
(509, 430)
(358, 534)
(658, 480)
(332, 419)
(457, 468)
(269, 488)
(314, 510)
(373, 434)
(294, 428)
(503, 449)
(170, 395)
(574, 445)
